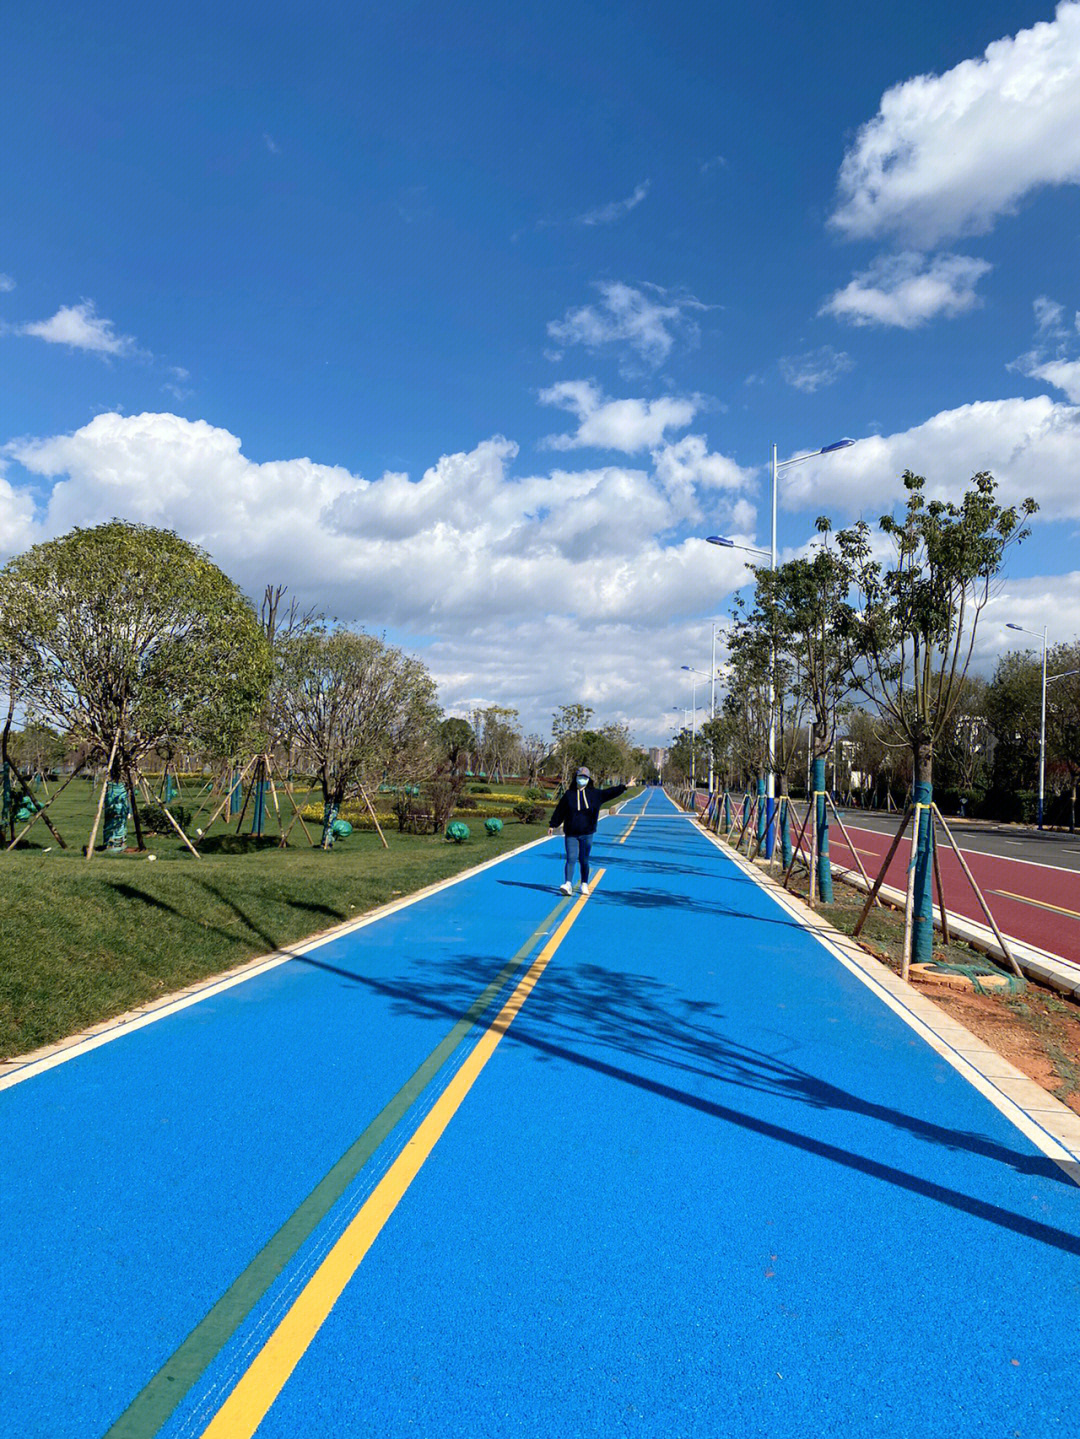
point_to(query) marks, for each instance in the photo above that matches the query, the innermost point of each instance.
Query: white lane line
(985, 853)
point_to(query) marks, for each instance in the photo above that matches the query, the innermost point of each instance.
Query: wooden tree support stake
(979, 896)
(881, 873)
(171, 818)
(374, 818)
(847, 841)
(101, 796)
(796, 853)
(39, 814)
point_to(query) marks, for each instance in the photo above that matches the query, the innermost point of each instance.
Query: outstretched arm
(612, 793)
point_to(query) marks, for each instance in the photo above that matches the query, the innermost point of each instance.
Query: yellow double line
(250, 1401)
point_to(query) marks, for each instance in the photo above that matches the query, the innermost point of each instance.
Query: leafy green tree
(364, 711)
(127, 638)
(567, 724)
(917, 620)
(458, 741)
(1063, 719)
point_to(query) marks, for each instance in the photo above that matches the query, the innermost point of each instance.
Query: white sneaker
(584, 887)
(566, 888)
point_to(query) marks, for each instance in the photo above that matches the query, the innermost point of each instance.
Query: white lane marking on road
(985, 853)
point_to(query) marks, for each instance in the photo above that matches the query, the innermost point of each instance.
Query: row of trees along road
(889, 621)
(128, 641)
(123, 642)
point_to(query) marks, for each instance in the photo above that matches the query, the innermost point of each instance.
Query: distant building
(658, 755)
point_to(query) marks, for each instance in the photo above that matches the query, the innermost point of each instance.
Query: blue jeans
(577, 851)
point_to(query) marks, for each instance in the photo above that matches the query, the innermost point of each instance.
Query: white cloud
(6, 284)
(908, 289)
(465, 541)
(615, 209)
(1037, 600)
(816, 368)
(1053, 358)
(625, 425)
(1032, 447)
(645, 323)
(80, 327)
(1064, 375)
(946, 155)
(270, 143)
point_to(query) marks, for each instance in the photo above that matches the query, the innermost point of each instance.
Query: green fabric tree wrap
(457, 831)
(116, 817)
(329, 819)
(493, 826)
(922, 943)
(822, 819)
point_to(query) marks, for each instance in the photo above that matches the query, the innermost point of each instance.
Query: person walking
(578, 812)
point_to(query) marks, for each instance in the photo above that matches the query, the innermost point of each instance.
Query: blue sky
(571, 272)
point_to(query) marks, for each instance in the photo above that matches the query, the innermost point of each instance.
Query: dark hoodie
(579, 809)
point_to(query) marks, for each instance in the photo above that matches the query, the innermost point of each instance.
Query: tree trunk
(785, 824)
(922, 944)
(821, 825)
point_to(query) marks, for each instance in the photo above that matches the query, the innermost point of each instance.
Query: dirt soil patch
(1036, 1029)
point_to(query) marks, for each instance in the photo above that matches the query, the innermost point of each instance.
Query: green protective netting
(976, 970)
(26, 810)
(342, 829)
(493, 826)
(457, 831)
(169, 790)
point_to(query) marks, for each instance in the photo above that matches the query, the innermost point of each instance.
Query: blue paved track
(707, 1185)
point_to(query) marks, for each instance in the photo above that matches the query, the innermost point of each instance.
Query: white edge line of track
(956, 1044)
(22, 1067)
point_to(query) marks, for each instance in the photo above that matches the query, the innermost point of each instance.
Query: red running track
(1033, 903)
(1036, 904)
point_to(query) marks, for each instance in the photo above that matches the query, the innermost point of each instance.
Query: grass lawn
(81, 941)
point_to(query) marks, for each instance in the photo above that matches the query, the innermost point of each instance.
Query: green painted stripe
(150, 1409)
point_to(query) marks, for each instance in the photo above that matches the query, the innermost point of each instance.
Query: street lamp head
(1015, 627)
(836, 445)
(720, 540)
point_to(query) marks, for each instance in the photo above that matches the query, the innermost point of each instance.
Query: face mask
(582, 781)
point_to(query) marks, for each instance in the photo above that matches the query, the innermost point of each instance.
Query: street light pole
(1042, 719)
(770, 779)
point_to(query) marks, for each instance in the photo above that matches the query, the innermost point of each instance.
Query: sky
(469, 323)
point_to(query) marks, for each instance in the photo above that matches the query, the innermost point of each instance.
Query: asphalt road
(1009, 841)
(655, 1162)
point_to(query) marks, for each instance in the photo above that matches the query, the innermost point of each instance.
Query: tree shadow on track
(664, 899)
(580, 1011)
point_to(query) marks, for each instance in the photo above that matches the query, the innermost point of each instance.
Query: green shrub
(155, 821)
(465, 801)
(528, 812)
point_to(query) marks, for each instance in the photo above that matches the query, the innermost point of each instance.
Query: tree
(567, 723)
(458, 741)
(801, 611)
(534, 751)
(916, 627)
(126, 638)
(363, 710)
(498, 736)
